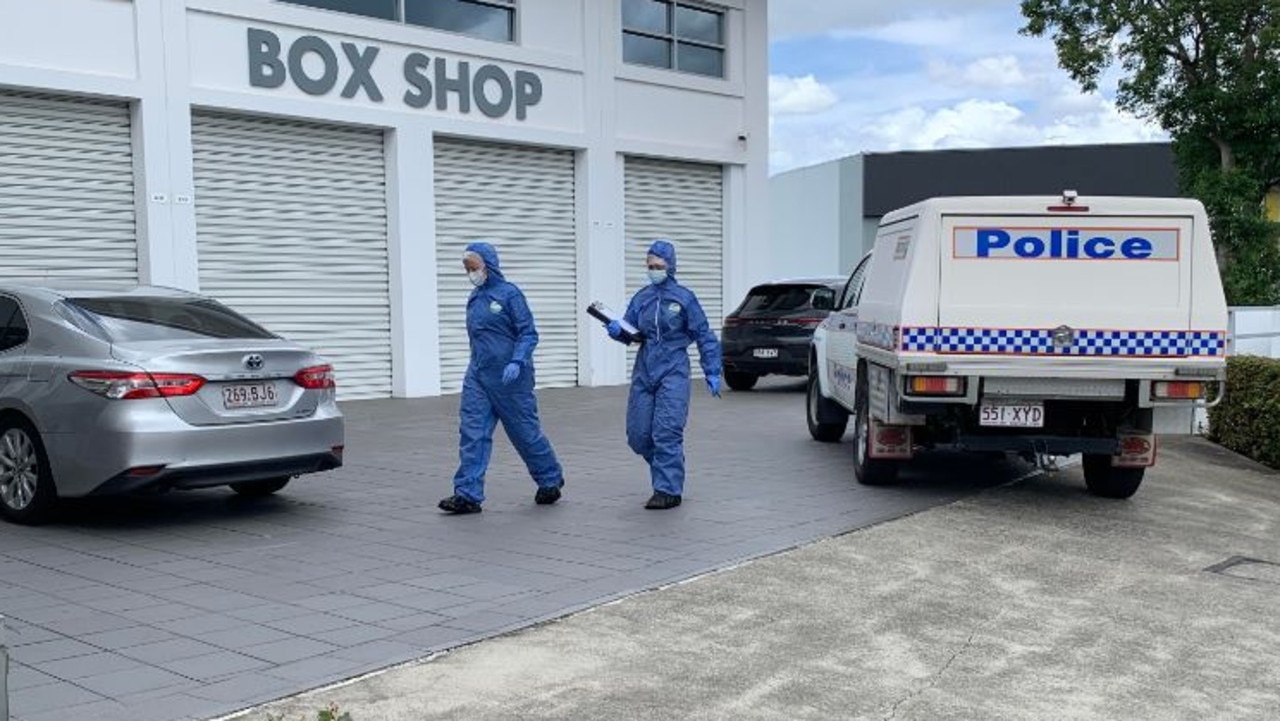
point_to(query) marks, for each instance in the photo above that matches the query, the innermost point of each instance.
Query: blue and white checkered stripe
(980, 341)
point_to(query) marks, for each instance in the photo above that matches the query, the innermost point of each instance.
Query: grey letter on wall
(415, 69)
(460, 85)
(313, 86)
(528, 92)
(498, 76)
(361, 72)
(266, 70)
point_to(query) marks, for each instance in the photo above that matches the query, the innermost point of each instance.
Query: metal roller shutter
(685, 203)
(67, 204)
(522, 200)
(292, 231)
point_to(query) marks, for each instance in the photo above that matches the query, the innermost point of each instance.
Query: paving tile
(389, 651)
(310, 623)
(51, 697)
(215, 665)
(241, 636)
(354, 635)
(127, 637)
(316, 671)
(294, 649)
(203, 623)
(54, 650)
(375, 612)
(21, 677)
(162, 653)
(133, 681)
(94, 664)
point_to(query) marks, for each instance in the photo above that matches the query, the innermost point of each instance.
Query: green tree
(1208, 71)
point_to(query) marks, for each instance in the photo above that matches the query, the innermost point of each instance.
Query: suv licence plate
(1011, 415)
(765, 353)
(250, 395)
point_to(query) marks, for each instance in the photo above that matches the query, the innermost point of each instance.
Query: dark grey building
(824, 216)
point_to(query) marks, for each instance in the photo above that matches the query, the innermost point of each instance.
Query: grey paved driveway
(192, 605)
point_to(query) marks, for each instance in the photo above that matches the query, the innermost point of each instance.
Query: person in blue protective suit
(499, 387)
(669, 318)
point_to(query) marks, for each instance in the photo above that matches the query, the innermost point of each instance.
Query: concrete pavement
(1031, 601)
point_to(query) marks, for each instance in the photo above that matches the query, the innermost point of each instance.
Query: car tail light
(935, 386)
(733, 322)
(316, 378)
(805, 322)
(123, 386)
(1178, 390)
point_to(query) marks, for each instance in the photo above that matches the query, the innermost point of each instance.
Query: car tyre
(819, 411)
(260, 489)
(1107, 481)
(740, 381)
(27, 490)
(869, 471)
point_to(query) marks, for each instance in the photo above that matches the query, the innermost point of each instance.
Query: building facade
(824, 217)
(320, 164)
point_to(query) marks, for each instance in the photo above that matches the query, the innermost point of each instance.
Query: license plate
(250, 395)
(1011, 415)
(765, 353)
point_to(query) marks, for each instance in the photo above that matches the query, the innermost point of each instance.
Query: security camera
(742, 137)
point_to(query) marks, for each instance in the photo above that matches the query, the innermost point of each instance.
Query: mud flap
(1137, 450)
(889, 442)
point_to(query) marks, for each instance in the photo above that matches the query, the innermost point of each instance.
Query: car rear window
(778, 300)
(133, 318)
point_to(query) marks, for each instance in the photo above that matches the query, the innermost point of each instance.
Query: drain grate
(1251, 569)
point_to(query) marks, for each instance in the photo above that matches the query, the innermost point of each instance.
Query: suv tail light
(316, 378)
(124, 386)
(935, 385)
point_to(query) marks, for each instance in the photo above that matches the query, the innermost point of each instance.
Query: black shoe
(458, 506)
(547, 496)
(661, 501)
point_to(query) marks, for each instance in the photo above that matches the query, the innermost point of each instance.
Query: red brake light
(935, 385)
(316, 378)
(123, 386)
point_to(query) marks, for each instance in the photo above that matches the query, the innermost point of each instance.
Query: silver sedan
(120, 390)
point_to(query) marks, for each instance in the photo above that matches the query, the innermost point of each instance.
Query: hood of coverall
(489, 255)
(665, 250)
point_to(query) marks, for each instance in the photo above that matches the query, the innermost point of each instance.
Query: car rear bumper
(792, 359)
(159, 448)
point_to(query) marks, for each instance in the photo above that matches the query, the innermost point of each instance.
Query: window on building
(676, 35)
(486, 19)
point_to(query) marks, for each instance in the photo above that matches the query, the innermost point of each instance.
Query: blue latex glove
(510, 373)
(615, 329)
(713, 385)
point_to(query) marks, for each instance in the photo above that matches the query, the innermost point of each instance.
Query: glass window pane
(461, 16)
(385, 9)
(701, 25)
(700, 60)
(135, 318)
(650, 16)
(641, 50)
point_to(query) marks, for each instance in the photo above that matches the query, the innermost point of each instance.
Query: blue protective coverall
(500, 327)
(670, 318)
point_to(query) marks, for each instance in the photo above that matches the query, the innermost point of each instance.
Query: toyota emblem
(253, 362)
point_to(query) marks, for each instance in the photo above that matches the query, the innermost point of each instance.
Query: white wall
(1255, 331)
(168, 57)
(805, 227)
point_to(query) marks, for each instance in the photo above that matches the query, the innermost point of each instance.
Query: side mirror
(824, 299)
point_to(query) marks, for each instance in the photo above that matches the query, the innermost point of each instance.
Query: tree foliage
(1208, 71)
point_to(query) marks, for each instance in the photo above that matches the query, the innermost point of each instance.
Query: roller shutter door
(292, 231)
(523, 200)
(67, 203)
(685, 203)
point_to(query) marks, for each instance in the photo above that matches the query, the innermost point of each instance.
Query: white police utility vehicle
(1042, 326)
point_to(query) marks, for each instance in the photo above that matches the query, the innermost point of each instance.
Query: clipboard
(606, 315)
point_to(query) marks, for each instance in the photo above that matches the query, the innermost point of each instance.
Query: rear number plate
(1011, 415)
(250, 395)
(765, 353)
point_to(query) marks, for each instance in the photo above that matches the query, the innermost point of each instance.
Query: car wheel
(819, 412)
(741, 381)
(260, 489)
(27, 492)
(1107, 481)
(869, 471)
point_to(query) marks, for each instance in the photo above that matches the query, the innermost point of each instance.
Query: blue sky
(851, 76)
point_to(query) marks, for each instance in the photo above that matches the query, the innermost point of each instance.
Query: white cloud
(1004, 71)
(790, 96)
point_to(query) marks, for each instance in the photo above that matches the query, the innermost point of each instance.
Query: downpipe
(4, 674)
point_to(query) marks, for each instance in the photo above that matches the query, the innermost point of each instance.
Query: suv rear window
(778, 300)
(131, 318)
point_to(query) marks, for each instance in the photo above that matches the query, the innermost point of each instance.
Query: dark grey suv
(769, 332)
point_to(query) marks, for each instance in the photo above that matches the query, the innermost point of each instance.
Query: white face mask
(657, 276)
(477, 277)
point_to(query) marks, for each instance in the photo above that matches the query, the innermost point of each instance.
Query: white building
(320, 164)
